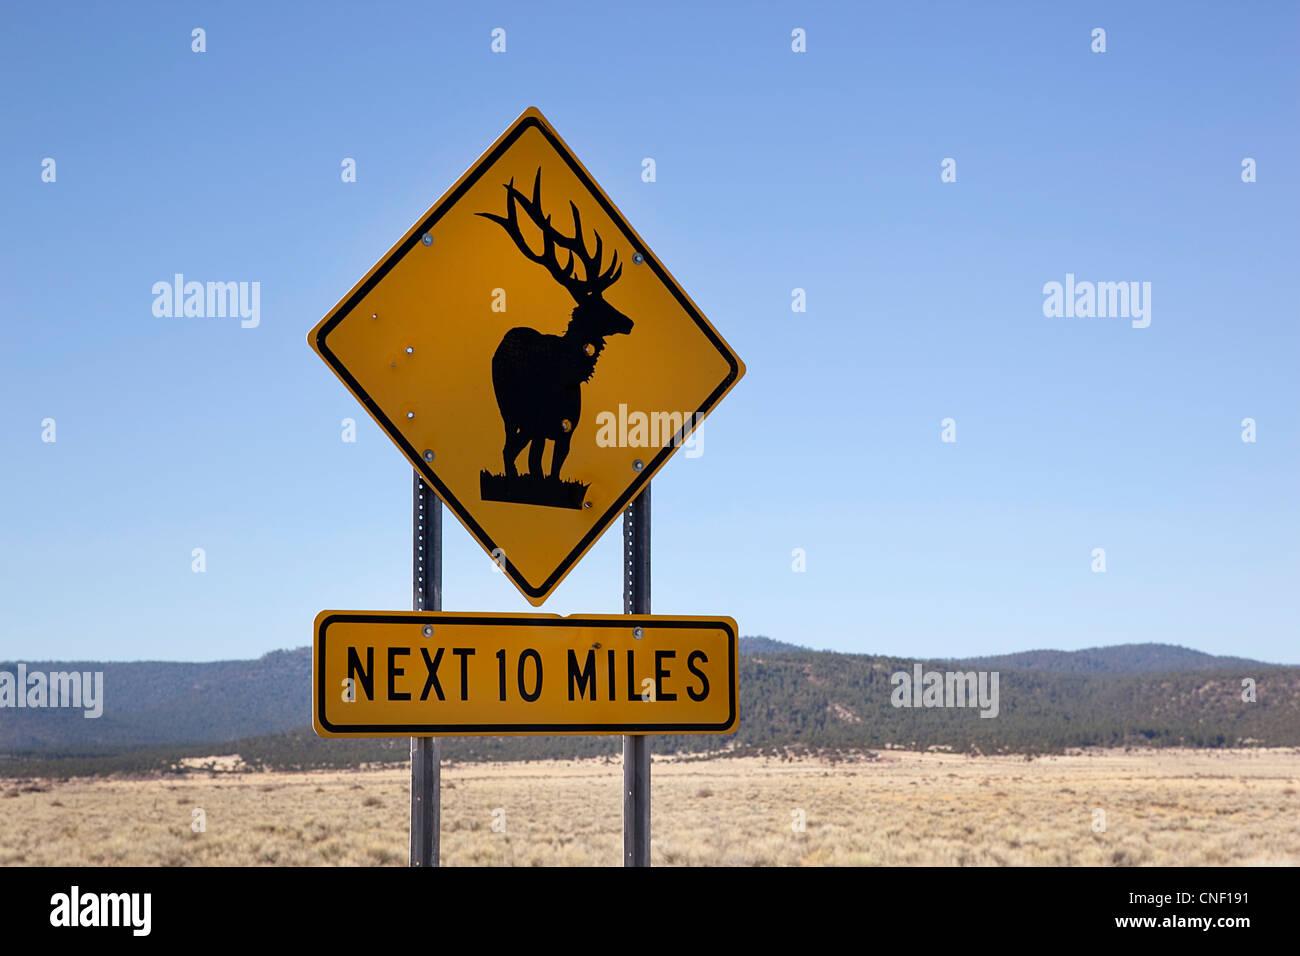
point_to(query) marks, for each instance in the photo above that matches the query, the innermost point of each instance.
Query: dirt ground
(1098, 808)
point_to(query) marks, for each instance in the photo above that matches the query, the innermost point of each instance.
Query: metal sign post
(636, 747)
(426, 752)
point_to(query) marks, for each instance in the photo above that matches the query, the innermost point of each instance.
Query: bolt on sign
(427, 673)
(529, 354)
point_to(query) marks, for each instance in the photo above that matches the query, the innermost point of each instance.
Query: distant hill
(1119, 659)
(164, 702)
(766, 645)
(791, 700)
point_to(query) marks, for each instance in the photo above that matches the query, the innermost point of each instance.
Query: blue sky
(776, 170)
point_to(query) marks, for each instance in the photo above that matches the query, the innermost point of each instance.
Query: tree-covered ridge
(156, 703)
(806, 701)
(760, 644)
(1117, 659)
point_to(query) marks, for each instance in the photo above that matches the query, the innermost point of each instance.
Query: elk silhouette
(537, 377)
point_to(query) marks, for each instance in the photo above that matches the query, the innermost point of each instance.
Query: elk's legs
(515, 442)
(535, 456)
(560, 453)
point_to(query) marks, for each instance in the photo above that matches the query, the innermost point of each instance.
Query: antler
(593, 281)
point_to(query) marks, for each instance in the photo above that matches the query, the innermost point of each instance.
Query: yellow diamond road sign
(529, 355)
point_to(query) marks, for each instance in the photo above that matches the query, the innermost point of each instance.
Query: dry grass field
(1161, 807)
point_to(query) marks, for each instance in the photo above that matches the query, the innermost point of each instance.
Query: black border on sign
(599, 528)
(407, 730)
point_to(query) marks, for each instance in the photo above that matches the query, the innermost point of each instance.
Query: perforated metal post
(636, 747)
(426, 752)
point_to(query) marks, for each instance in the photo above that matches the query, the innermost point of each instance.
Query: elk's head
(593, 318)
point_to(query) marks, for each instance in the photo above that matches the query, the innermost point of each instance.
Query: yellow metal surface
(424, 674)
(415, 342)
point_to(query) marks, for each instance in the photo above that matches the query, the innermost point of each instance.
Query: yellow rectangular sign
(435, 673)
